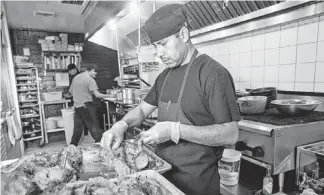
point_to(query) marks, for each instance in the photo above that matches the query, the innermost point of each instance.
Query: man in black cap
(197, 110)
(73, 71)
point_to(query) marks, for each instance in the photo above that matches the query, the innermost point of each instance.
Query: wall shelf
(28, 106)
(55, 130)
(33, 138)
(61, 51)
(36, 131)
(26, 84)
(30, 116)
(26, 90)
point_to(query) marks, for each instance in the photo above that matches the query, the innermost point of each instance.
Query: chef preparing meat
(197, 110)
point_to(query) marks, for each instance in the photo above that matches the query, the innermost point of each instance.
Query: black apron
(194, 166)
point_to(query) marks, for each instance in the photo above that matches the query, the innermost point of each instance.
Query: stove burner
(272, 116)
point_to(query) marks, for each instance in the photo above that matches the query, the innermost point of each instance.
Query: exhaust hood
(200, 14)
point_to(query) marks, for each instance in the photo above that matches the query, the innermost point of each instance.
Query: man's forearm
(100, 95)
(134, 117)
(211, 135)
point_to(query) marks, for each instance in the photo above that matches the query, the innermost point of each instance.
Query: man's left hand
(159, 133)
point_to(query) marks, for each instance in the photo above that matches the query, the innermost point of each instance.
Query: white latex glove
(162, 132)
(114, 136)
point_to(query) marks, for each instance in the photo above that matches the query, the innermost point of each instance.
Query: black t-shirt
(208, 96)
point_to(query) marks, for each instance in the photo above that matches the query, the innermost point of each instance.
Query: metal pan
(295, 107)
(157, 177)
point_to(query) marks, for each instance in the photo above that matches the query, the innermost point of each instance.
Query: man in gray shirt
(82, 89)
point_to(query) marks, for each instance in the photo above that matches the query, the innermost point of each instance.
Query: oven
(263, 144)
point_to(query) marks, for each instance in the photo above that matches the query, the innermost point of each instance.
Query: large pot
(128, 96)
(295, 107)
(252, 104)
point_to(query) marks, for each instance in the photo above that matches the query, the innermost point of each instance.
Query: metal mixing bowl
(295, 107)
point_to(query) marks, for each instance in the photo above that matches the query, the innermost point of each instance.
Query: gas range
(270, 140)
(272, 116)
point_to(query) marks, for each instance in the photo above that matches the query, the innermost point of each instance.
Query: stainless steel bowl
(295, 107)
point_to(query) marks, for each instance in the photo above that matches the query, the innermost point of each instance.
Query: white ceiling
(68, 18)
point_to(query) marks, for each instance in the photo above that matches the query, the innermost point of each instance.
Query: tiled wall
(289, 57)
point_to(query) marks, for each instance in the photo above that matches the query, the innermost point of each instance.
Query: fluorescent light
(134, 9)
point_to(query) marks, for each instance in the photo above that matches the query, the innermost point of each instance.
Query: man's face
(171, 50)
(93, 73)
(73, 72)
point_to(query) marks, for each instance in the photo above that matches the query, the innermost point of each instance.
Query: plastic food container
(51, 96)
(229, 167)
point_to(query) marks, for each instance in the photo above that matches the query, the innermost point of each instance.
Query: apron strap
(166, 78)
(192, 59)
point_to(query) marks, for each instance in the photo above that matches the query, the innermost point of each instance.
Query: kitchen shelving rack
(29, 97)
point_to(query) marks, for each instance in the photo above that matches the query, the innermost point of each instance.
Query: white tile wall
(308, 33)
(272, 40)
(288, 37)
(245, 74)
(237, 85)
(271, 73)
(234, 60)
(255, 85)
(244, 85)
(257, 74)
(245, 59)
(288, 55)
(319, 76)
(270, 84)
(319, 87)
(223, 60)
(321, 31)
(306, 53)
(224, 48)
(320, 51)
(305, 72)
(235, 72)
(258, 42)
(271, 57)
(287, 73)
(286, 86)
(258, 58)
(291, 57)
(307, 87)
(234, 46)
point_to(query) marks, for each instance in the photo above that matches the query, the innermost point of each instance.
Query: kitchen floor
(58, 145)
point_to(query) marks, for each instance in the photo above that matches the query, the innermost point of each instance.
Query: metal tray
(164, 168)
(93, 166)
(151, 174)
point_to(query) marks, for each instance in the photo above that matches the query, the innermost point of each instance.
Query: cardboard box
(52, 38)
(41, 41)
(63, 35)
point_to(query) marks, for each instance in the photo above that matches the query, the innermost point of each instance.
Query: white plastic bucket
(229, 167)
(68, 120)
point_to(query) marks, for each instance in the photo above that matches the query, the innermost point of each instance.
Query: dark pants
(70, 104)
(87, 116)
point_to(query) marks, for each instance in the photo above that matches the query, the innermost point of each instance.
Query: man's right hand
(112, 138)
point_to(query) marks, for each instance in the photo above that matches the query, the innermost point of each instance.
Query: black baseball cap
(71, 67)
(165, 22)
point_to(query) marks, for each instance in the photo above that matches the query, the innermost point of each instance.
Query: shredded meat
(21, 184)
(43, 176)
